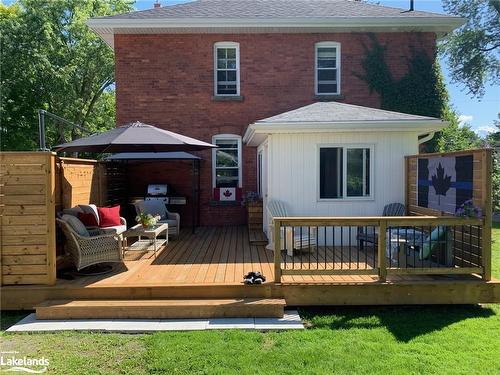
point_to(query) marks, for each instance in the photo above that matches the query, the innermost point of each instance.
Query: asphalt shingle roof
(272, 9)
(329, 112)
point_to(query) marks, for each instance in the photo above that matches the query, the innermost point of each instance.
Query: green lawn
(357, 340)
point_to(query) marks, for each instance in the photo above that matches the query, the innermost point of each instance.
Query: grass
(354, 340)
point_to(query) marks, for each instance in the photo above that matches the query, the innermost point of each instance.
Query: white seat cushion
(118, 229)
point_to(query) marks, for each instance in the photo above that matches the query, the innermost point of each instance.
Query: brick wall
(167, 81)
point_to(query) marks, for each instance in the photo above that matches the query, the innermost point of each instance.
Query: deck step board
(161, 309)
(257, 237)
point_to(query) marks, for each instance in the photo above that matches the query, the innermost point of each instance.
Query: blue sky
(478, 114)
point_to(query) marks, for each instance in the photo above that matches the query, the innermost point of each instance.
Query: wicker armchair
(96, 248)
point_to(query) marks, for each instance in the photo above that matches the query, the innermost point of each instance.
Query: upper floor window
(226, 161)
(227, 68)
(327, 68)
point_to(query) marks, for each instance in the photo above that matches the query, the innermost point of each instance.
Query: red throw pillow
(109, 216)
(87, 219)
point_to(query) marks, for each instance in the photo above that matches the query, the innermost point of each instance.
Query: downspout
(426, 138)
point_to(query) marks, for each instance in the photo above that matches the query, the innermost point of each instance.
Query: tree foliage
(473, 51)
(51, 60)
(493, 140)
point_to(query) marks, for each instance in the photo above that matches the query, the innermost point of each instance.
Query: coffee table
(151, 233)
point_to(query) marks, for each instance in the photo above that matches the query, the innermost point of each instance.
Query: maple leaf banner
(227, 194)
(444, 182)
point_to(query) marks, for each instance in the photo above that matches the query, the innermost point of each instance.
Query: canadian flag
(227, 194)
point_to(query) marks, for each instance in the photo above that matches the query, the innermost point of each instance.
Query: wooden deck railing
(381, 246)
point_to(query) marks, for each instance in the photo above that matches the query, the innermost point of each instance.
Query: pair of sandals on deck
(254, 278)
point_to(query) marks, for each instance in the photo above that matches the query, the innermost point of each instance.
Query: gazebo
(141, 142)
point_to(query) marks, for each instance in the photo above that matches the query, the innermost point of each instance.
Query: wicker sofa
(92, 208)
(89, 247)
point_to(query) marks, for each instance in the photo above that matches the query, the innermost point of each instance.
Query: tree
(456, 137)
(51, 60)
(493, 140)
(473, 51)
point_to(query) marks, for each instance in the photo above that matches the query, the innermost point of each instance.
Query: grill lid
(156, 190)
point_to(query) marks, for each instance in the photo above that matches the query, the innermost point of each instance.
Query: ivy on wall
(421, 91)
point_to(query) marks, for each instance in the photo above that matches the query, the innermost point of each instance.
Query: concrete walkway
(291, 320)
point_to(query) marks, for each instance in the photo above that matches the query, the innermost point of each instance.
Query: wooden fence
(27, 208)
(34, 186)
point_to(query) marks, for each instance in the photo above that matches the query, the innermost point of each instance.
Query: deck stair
(257, 237)
(161, 309)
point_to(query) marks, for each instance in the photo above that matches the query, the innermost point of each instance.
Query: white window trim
(240, 157)
(326, 45)
(227, 45)
(344, 147)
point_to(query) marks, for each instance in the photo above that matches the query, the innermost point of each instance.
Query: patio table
(152, 233)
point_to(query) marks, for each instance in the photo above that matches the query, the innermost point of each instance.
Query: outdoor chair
(157, 207)
(297, 238)
(368, 234)
(87, 248)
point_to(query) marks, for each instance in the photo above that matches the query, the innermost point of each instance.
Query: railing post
(277, 250)
(486, 230)
(382, 241)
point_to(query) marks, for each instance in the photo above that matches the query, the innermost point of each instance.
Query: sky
(479, 114)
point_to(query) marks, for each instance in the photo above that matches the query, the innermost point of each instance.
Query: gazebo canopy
(134, 137)
(181, 155)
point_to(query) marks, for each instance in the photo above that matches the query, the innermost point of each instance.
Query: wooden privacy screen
(481, 181)
(474, 244)
(81, 181)
(27, 198)
(34, 186)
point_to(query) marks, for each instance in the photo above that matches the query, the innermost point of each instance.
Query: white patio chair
(297, 238)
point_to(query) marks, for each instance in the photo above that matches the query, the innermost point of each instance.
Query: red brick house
(211, 68)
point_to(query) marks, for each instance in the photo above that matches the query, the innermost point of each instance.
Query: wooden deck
(222, 255)
(211, 264)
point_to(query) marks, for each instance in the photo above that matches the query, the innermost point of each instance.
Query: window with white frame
(327, 68)
(227, 68)
(345, 172)
(226, 161)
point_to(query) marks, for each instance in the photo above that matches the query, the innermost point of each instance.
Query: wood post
(51, 218)
(277, 250)
(382, 241)
(487, 212)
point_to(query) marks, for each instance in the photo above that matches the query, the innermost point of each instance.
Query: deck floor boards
(222, 255)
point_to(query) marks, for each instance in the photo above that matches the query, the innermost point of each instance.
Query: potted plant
(253, 203)
(147, 220)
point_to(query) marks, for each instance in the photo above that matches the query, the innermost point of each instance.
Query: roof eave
(420, 127)
(107, 27)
